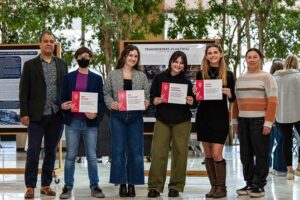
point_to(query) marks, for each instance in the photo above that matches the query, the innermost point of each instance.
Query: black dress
(212, 119)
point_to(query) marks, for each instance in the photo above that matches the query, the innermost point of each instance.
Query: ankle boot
(123, 190)
(131, 191)
(210, 168)
(220, 167)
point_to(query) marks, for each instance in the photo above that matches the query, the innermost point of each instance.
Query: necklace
(213, 73)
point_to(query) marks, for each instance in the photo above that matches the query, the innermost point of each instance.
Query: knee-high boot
(210, 168)
(220, 167)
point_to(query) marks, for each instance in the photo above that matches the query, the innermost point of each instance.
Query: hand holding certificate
(209, 89)
(84, 102)
(131, 100)
(174, 93)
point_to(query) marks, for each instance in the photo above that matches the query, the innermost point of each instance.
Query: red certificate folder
(122, 100)
(165, 89)
(75, 101)
(199, 90)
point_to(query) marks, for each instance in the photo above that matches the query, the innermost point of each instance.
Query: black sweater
(171, 113)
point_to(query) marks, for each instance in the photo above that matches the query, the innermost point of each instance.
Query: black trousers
(287, 135)
(254, 147)
(50, 127)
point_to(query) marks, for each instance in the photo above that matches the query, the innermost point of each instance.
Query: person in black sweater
(212, 119)
(172, 129)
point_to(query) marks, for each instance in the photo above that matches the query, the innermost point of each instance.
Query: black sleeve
(231, 85)
(65, 94)
(154, 90)
(190, 93)
(101, 103)
(24, 88)
(199, 75)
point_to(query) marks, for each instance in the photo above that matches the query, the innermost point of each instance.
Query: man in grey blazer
(41, 88)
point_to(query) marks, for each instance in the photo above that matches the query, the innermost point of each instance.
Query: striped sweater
(256, 96)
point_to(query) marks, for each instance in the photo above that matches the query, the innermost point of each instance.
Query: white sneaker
(245, 190)
(297, 172)
(290, 176)
(279, 173)
(257, 192)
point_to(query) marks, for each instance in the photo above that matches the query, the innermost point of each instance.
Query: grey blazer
(114, 82)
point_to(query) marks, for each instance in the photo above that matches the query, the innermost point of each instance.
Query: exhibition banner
(12, 59)
(155, 56)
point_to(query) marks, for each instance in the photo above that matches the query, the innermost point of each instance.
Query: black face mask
(83, 63)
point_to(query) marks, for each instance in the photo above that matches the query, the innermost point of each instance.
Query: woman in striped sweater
(253, 114)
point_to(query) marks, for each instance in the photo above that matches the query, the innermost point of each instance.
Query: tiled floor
(12, 186)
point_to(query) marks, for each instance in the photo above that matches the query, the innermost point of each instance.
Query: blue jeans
(278, 159)
(127, 139)
(73, 131)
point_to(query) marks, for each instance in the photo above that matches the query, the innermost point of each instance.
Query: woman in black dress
(212, 119)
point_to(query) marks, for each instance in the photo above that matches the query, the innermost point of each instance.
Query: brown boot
(220, 168)
(210, 168)
(29, 194)
(46, 190)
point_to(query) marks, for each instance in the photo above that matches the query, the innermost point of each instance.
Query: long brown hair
(125, 53)
(222, 66)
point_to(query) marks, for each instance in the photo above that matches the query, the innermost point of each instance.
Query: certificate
(174, 93)
(84, 102)
(209, 89)
(131, 100)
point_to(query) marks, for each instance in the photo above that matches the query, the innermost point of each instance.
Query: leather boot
(210, 168)
(131, 191)
(220, 167)
(123, 190)
(29, 194)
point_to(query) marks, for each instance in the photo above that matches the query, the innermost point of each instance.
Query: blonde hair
(222, 66)
(291, 62)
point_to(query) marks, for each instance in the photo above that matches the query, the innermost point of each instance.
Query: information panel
(12, 59)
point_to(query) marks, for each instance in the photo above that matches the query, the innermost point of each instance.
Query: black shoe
(131, 191)
(245, 190)
(257, 192)
(153, 193)
(97, 192)
(66, 193)
(173, 193)
(123, 190)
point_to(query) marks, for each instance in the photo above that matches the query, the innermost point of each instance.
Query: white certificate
(209, 89)
(84, 102)
(174, 93)
(131, 100)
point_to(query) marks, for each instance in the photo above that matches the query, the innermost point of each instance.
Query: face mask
(83, 63)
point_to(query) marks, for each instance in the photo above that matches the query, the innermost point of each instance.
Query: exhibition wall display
(12, 59)
(155, 56)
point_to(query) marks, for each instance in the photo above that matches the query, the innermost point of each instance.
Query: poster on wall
(12, 59)
(155, 57)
